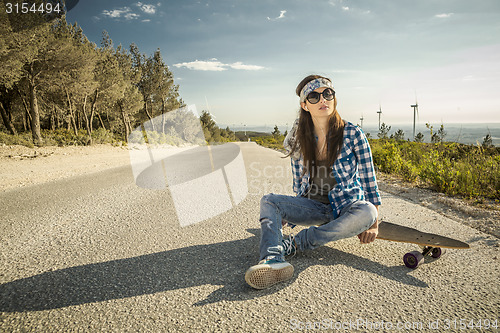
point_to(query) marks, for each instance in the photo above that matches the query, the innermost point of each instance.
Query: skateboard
(432, 245)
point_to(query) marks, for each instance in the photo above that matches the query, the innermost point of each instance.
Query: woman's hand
(369, 235)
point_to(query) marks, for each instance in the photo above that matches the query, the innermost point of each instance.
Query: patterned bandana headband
(313, 85)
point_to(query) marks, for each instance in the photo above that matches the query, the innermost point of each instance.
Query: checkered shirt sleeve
(366, 168)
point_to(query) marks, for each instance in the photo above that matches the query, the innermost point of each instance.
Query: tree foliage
(399, 135)
(53, 78)
(276, 133)
(212, 132)
(487, 141)
(419, 137)
(384, 131)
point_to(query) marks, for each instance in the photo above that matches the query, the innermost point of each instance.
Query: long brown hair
(305, 138)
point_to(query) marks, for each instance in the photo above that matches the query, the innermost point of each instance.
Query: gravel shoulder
(22, 166)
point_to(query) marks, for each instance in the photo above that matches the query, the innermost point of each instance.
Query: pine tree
(26, 53)
(441, 133)
(209, 126)
(419, 137)
(384, 130)
(163, 82)
(276, 133)
(130, 101)
(112, 83)
(143, 65)
(75, 74)
(399, 135)
(487, 141)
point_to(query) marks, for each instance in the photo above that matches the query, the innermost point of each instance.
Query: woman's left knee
(369, 211)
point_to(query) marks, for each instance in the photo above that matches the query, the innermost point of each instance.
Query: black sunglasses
(314, 97)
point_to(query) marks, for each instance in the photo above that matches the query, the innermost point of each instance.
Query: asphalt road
(99, 253)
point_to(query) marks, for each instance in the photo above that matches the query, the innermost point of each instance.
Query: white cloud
(198, 65)
(446, 15)
(116, 13)
(334, 2)
(216, 66)
(131, 16)
(128, 14)
(282, 15)
(345, 8)
(240, 65)
(148, 9)
(124, 12)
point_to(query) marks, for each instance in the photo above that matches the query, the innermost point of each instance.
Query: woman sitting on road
(334, 181)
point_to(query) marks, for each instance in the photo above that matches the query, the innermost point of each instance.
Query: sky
(243, 59)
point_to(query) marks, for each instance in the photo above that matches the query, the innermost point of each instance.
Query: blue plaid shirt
(353, 171)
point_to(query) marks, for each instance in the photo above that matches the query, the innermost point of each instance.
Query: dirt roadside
(22, 166)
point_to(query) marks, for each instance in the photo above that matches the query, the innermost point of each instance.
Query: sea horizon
(470, 133)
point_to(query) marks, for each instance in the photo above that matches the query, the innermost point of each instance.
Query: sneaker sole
(264, 276)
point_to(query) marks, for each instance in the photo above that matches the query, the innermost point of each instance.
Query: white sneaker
(267, 273)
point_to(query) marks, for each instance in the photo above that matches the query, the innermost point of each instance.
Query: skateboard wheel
(413, 259)
(437, 252)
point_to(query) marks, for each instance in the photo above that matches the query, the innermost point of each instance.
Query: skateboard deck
(432, 244)
(398, 233)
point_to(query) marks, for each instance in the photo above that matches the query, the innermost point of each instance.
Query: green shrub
(409, 172)
(23, 139)
(388, 158)
(101, 135)
(59, 137)
(451, 168)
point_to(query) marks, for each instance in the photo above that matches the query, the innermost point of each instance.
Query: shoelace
(289, 245)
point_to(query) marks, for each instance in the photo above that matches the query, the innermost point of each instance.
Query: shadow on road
(213, 264)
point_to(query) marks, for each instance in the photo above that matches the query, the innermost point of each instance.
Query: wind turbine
(379, 114)
(415, 113)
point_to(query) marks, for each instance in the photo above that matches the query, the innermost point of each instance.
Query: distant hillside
(240, 135)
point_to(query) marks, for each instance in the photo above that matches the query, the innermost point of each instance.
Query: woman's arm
(370, 235)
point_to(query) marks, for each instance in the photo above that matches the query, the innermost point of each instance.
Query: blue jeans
(324, 228)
